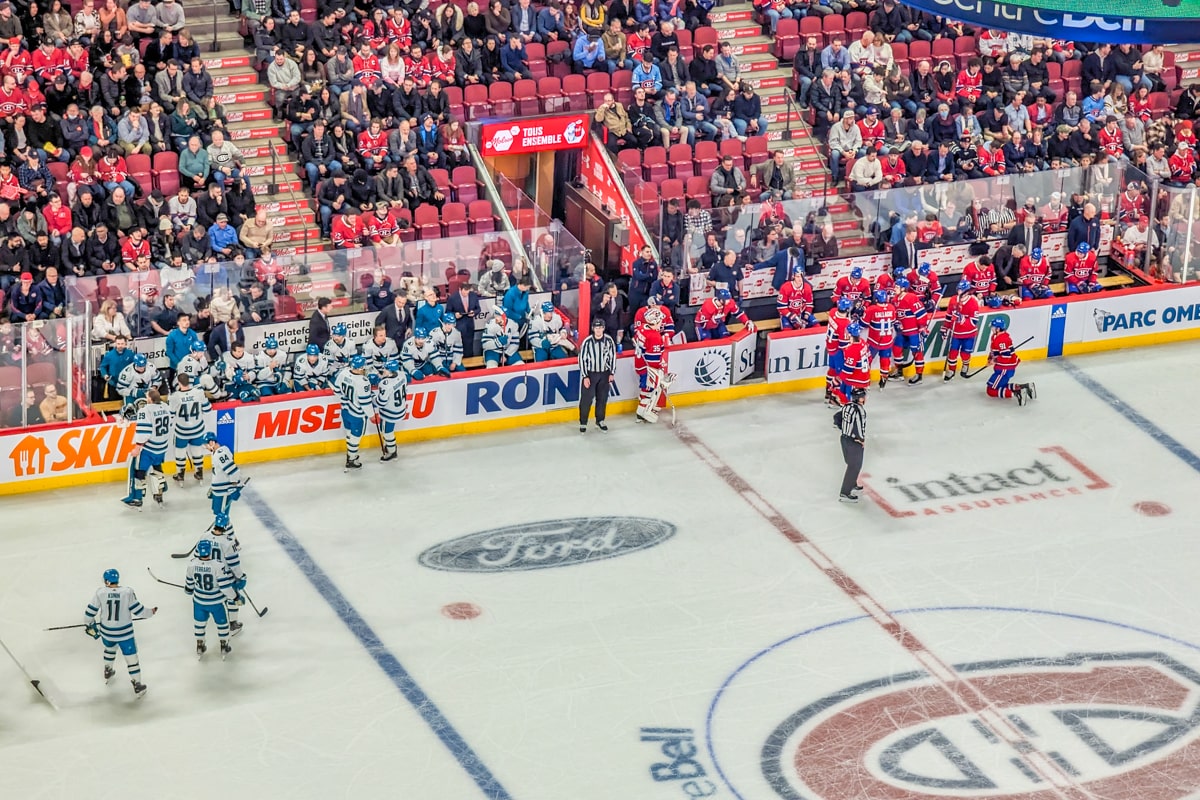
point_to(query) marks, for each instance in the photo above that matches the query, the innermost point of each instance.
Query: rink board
(546, 393)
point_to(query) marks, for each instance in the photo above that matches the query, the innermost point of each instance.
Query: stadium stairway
(275, 182)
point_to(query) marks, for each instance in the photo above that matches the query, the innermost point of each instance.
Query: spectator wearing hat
(845, 142)
(25, 304)
(597, 366)
(223, 237)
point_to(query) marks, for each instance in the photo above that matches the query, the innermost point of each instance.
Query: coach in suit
(786, 263)
(396, 320)
(906, 252)
(1029, 234)
(464, 305)
(318, 325)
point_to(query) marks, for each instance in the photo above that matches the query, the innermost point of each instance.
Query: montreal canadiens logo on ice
(550, 543)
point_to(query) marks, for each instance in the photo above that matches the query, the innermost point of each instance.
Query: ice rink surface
(1011, 612)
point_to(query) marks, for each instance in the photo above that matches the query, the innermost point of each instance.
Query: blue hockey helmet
(270, 343)
(856, 273)
(1036, 254)
(447, 318)
(902, 283)
(547, 307)
(374, 379)
(845, 304)
(357, 362)
(924, 269)
(854, 329)
(392, 366)
(197, 346)
(964, 286)
(723, 294)
(210, 438)
(140, 360)
(204, 548)
(1000, 323)
(1083, 249)
(881, 296)
(221, 521)
(312, 350)
(420, 333)
(339, 329)
(112, 576)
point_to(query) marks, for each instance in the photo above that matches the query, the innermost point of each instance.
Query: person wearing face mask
(942, 126)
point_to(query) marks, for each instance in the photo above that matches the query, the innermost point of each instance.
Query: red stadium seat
(697, 189)
(475, 101)
(525, 95)
(500, 94)
(732, 147)
(140, 172)
(706, 156)
(441, 177)
(557, 54)
(787, 39)
(286, 308)
(671, 189)
(756, 151)
(40, 373)
(679, 160)
(549, 89)
(427, 222)
(409, 233)
(479, 217)
(654, 164)
(597, 86)
(454, 219)
(574, 89)
(622, 86)
(918, 50)
(465, 188)
(454, 96)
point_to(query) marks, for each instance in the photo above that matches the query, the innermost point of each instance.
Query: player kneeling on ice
(109, 618)
(710, 319)
(1035, 276)
(354, 390)
(227, 549)
(151, 436)
(448, 344)
(653, 395)
(1004, 360)
(136, 380)
(391, 406)
(227, 483)
(312, 370)
(1080, 270)
(210, 585)
(795, 303)
(418, 356)
(190, 405)
(501, 338)
(270, 374)
(338, 348)
(547, 338)
(238, 369)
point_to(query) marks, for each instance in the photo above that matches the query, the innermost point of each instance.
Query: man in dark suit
(223, 337)
(906, 253)
(464, 305)
(1029, 234)
(397, 320)
(318, 324)
(786, 262)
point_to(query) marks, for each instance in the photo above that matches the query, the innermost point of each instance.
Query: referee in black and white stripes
(597, 363)
(854, 437)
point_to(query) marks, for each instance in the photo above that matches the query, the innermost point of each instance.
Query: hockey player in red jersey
(926, 285)
(856, 363)
(960, 329)
(855, 288)
(837, 338)
(886, 281)
(795, 303)
(982, 276)
(1004, 360)
(1080, 269)
(880, 321)
(710, 319)
(910, 330)
(653, 396)
(666, 328)
(1035, 276)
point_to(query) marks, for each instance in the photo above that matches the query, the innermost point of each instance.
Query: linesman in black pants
(853, 422)
(597, 363)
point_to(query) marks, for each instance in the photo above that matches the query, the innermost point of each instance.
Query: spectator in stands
(727, 184)
(866, 174)
(663, 41)
(27, 413)
(25, 304)
(1099, 66)
(551, 28)
(776, 179)
(845, 142)
(747, 112)
(258, 307)
(419, 186)
(674, 70)
(827, 102)
(694, 108)
(54, 293)
(257, 234)
(513, 61)
(835, 56)
(283, 75)
(588, 53)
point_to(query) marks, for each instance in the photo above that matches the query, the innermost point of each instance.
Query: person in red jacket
(346, 230)
(1004, 360)
(960, 329)
(113, 172)
(134, 247)
(968, 86)
(373, 146)
(990, 158)
(58, 219)
(366, 66)
(1035, 276)
(1183, 165)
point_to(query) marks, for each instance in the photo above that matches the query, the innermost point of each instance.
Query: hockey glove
(92, 631)
(240, 584)
(236, 495)
(375, 420)
(237, 601)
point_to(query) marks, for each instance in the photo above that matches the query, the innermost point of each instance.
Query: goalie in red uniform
(960, 329)
(1004, 360)
(795, 304)
(710, 319)
(652, 395)
(666, 329)
(1080, 269)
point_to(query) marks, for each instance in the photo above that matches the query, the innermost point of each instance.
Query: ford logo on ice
(552, 543)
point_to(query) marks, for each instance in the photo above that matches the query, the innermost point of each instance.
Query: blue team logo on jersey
(550, 543)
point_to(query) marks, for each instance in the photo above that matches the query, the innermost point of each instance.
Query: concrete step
(793, 150)
(300, 249)
(300, 219)
(249, 115)
(248, 97)
(769, 79)
(718, 15)
(742, 49)
(760, 63)
(282, 188)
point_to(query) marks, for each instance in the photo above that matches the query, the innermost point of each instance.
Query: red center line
(968, 697)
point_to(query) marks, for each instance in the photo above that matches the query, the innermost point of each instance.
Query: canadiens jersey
(836, 336)
(962, 316)
(654, 348)
(794, 301)
(1003, 353)
(1079, 269)
(855, 291)
(880, 319)
(910, 311)
(1035, 274)
(983, 279)
(378, 228)
(113, 609)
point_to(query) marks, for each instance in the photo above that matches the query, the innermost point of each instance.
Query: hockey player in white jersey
(501, 340)
(237, 368)
(194, 365)
(109, 618)
(354, 390)
(391, 404)
(448, 346)
(227, 483)
(418, 357)
(546, 335)
(338, 348)
(380, 350)
(189, 405)
(312, 370)
(151, 437)
(210, 585)
(136, 379)
(271, 365)
(225, 547)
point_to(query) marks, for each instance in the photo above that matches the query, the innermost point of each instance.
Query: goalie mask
(654, 316)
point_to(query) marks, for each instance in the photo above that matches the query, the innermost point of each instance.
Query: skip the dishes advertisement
(51, 456)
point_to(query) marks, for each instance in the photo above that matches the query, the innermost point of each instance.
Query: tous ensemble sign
(513, 137)
(552, 543)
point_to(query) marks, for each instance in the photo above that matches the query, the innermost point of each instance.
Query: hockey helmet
(654, 316)
(845, 304)
(112, 576)
(723, 294)
(420, 333)
(858, 393)
(140, 361)
(924, 269)
(854, 330)
(197, 346)
(881, 296)
(1083, 249)
(964, 286)
(547, 307)
(902, 283)
(392, 366)
(1036, 254)
(1000, 324)
(204, 548)
(374, 379)
(856, 273)
(339, 329)
(210, 438)
(221, 522)
(312, 350)
(357, 362)
(447, 318)
(270, 343)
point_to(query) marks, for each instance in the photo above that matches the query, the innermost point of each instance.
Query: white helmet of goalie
(654, 316)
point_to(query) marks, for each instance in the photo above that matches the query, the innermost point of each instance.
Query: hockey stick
(36, 684)
(165, 583)
(262, 613)
(66, 627)
(985, 366)
(189, 552)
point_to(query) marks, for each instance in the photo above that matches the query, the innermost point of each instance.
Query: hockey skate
(1018, 392)
(1030, 391)
(201, 648)
(353, 463)
(647, 415)
(178, 477)
(132, 502)
(225, 649)
(234, 628)
(600, 424)
(139, 689)
(389, 455)
(948, 375)
(915, 379)
(109, 672)
(199, 473)
(883, 379)
(158, 498)
(848, 498)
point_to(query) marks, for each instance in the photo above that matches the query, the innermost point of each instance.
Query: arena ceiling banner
(1111, 21)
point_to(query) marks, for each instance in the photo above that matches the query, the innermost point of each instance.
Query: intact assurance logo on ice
(1050, 474)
